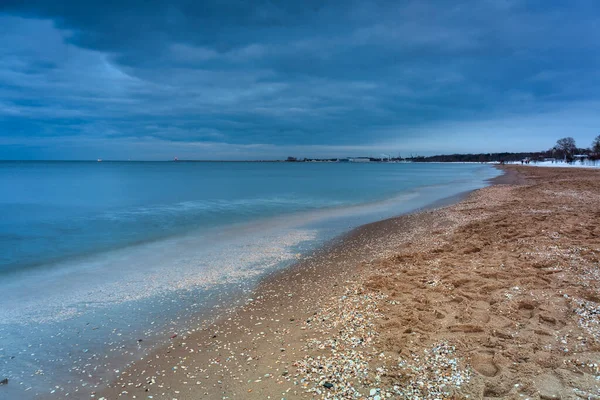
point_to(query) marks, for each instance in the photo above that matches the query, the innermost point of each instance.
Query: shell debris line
(343, 368)
(589, 317)
(349, 366)
(438, 374)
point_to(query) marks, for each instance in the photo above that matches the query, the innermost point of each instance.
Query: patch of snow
(562, 164)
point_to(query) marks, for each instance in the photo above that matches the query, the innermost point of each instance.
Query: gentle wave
(240, 206)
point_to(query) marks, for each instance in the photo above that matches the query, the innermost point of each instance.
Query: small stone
(328, 385)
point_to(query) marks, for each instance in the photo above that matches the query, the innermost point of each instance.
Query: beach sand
(496, 296)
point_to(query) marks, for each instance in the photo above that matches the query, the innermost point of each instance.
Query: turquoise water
(95, 255)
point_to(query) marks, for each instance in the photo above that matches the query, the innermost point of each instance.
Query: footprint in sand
(481, 316)
(484, 364)
(466, 328)
(527, 308)
(550, 320)
(549, 387)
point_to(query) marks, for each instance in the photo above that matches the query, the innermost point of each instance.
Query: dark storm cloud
(237, 76)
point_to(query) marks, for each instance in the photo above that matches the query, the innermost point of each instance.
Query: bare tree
(596, 145)
(567, 147)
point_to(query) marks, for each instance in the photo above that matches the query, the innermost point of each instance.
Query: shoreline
(346, 250)
(274, 344)
(109, 342)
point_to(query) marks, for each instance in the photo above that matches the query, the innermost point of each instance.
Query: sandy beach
(496, 296)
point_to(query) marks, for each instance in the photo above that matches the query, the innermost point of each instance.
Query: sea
(100, 262)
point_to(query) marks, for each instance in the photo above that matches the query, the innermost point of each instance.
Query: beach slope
(497, 296)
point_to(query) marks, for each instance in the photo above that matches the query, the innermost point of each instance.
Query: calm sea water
(95, 255)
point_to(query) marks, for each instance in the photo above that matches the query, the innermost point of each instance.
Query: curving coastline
(490, 297)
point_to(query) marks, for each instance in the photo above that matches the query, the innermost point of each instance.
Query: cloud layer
(237, 79)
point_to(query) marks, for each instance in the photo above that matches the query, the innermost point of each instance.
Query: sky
(240, 79)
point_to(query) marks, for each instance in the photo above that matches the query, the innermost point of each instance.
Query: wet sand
(497, 296)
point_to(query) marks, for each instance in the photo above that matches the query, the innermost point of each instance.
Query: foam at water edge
(189, 268)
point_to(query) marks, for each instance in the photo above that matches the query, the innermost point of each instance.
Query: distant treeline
(489, 157)
(565, 149)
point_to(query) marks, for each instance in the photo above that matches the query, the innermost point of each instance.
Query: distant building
(291, 159)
